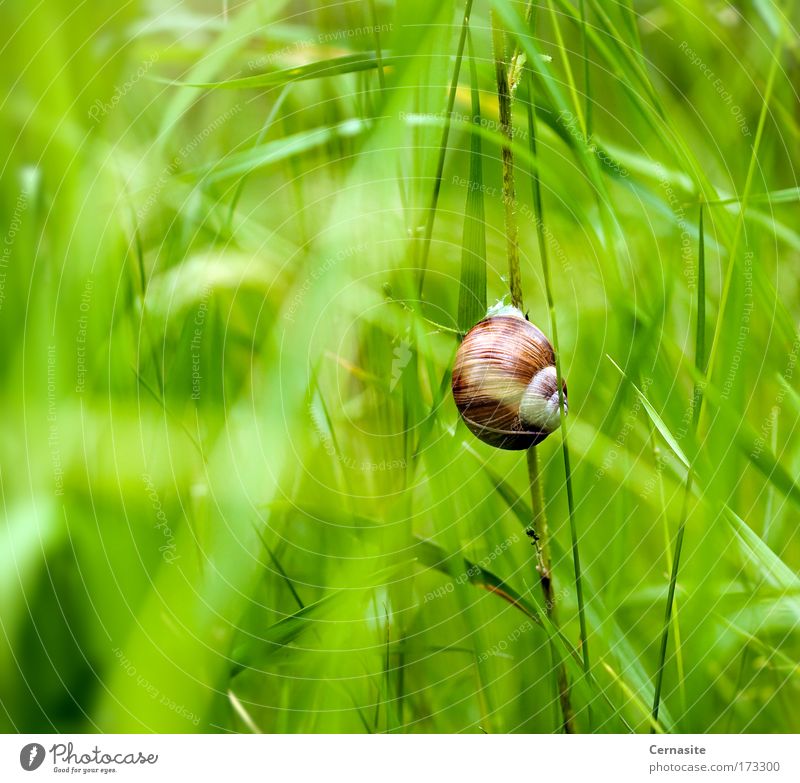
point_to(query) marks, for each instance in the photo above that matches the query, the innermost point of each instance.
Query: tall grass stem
(545, 261)
(507, 81)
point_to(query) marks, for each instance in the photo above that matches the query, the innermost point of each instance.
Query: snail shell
(505, 383)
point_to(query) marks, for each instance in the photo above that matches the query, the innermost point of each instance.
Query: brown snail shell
(505, 382)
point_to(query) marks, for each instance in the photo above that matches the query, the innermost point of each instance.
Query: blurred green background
(236, 495)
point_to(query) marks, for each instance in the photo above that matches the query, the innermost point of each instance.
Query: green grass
(236, 254)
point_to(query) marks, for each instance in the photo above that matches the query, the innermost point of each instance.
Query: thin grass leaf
(608, 231)
(242, 712)
(422, 262)
(265, 128)
(785, 196)
(278, 567)
(542, 244)
(573, 89)
(791, 666)
(600, 617)
(632, 696)
(472, 291)
(625, 52)
(671, 609)
(700, 316)
(285, 631)
(587, 85)
(288, 629)
(272, 152)
(668, 616)
(321, 69)
(655, 418)
(430, 555)
(774, 571)
(749, 441)
(221, 51)
(733, 261)
(676, 626)
(378, 48)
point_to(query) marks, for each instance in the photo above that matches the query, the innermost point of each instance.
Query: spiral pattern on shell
(505, 383)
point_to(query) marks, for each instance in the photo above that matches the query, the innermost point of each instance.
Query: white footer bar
(400, 759)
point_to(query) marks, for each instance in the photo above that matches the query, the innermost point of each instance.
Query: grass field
(240, 241)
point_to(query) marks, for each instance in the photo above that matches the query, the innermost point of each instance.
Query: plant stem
(507, 80)
(504, 96)
(539, 218)
(540, 534)
(586, 83)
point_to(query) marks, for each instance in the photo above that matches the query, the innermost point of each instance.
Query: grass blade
(775, 572)
(378, 52)
(268, 122)
(656, 418)
(573, 89)
(472, 291)
(280, 149)
(784, 196)
(422, 262)
(599, 615)
(320, 69)
(536, 192)
(587, 86)
(734, 247)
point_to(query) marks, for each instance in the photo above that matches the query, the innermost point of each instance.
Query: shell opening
(539, 408)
